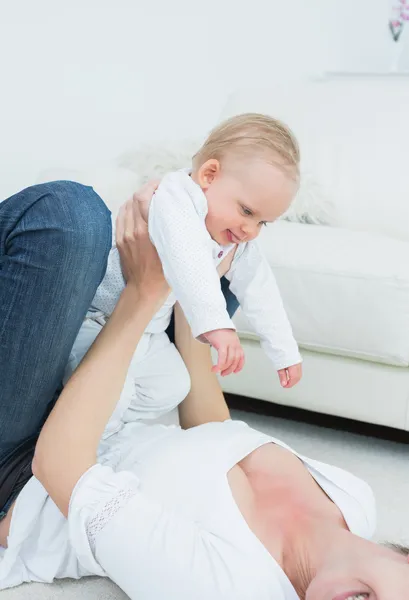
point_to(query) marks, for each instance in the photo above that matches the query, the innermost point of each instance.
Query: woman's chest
(282, 486)
(185, 472)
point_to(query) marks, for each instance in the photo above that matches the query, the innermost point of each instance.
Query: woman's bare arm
(67, 446)
(205, 403)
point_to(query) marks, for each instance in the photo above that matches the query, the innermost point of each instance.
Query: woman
(214, 511)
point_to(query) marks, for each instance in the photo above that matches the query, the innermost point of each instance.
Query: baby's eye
(264, 223)
(247, 211)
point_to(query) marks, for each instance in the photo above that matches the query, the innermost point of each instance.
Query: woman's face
(378, 574)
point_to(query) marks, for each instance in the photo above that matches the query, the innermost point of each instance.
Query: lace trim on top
(104, 516)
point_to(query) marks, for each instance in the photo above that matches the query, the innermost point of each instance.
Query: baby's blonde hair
(252, 135)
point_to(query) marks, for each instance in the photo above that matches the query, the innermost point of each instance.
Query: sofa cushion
(346, 292)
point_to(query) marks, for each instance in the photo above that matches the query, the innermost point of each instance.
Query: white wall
(82, 81)
(358, 38)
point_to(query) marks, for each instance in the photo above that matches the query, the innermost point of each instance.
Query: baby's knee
(161, 388)
(174, 389)
(182, 383)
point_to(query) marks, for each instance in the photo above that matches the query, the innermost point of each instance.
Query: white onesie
(190, 258)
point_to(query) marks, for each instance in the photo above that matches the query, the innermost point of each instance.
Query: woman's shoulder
(353, 495)
(96, 499)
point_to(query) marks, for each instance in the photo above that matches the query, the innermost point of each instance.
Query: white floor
(384, 464)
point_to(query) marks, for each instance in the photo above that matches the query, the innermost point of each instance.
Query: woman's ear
(207, 173)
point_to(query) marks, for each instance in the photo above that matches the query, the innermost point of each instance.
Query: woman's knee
(82, 212)
(81, 228)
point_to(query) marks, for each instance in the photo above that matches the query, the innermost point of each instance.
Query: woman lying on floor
(216, 510)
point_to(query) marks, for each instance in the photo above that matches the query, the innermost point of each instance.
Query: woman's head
(368, 571)
(248, 169)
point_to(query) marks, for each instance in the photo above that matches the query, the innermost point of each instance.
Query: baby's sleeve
(253, 283)
(178, 232)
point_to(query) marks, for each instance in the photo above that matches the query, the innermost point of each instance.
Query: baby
(244, 176)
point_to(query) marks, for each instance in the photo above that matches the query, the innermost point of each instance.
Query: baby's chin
(218, 239)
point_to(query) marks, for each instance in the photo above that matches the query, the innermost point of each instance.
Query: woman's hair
(252, 135)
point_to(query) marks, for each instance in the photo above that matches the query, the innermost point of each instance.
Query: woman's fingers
(140, 225)
(134, 212)
(130, 225)
(144, 196)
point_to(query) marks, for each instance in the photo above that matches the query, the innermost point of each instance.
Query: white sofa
(345, 285)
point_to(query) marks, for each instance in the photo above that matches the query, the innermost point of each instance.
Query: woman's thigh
(54, 243)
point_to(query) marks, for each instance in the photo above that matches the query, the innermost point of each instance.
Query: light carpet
(383, 464)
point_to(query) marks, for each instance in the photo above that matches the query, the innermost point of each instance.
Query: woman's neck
(306, 543)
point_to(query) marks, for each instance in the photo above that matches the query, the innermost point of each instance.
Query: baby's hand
(230, 352)
(290, 376)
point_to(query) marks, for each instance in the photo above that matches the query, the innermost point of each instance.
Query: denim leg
(54, 244)
(232, 305)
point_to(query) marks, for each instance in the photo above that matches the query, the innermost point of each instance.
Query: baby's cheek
(215, 223)
(209, 223)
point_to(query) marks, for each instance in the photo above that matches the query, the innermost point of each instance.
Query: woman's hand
(140, 262)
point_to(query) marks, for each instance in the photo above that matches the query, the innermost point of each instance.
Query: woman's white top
(158, 517)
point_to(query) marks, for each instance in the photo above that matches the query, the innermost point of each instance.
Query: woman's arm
(67, 446)
(205, 402)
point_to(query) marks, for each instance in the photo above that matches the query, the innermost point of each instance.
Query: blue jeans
(54, 244)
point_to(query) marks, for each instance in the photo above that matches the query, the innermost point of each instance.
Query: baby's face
(241, 200)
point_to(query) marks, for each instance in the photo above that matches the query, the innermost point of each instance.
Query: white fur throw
(312, 205)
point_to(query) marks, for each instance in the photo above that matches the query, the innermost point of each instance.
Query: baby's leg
(160, 380)
(111, 287)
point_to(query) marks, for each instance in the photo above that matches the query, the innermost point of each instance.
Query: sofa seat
(346, 292)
